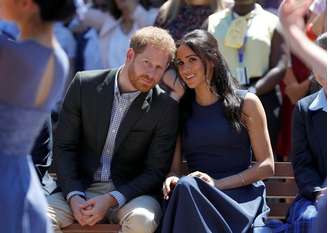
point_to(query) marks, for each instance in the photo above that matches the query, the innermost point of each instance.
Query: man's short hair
(154, 36)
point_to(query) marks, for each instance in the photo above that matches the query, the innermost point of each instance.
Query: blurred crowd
(250, 40)
(98, 38)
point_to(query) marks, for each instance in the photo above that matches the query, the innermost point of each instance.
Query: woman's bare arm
(255, 120)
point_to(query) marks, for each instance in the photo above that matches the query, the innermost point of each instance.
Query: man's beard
(135, 80)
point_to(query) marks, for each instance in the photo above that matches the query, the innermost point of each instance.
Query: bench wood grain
(99, 228)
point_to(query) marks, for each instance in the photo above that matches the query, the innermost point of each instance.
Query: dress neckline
(207, 106)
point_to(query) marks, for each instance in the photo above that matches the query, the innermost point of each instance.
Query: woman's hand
(209, 180)
(169, 185)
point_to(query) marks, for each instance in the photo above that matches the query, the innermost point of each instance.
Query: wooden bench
(281, 191)
(99, 228)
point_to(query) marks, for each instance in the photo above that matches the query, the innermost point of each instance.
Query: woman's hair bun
(56, 10)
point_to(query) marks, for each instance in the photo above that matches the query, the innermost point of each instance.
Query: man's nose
(151, 73)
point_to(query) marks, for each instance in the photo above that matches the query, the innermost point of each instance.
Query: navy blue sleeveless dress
(22, 68)
(212, 146)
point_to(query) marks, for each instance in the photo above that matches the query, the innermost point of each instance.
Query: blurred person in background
(252, 46)
(318, 7)
(68, 43)
(9, 29)
(182, 16)
(87, 55)
(309, 127)
(41, 151)
(270, 5)
(296, 84)
(317, 22)
(309, 153)
(32, 78)
(115, 22)
(292, 20)
(155, 4)
(309, 159)
(298, 80)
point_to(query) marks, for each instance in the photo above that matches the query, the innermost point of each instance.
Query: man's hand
(209, 180)
(97, 208)
(76, 204)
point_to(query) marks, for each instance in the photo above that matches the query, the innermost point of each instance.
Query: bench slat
(283, 170)
(278, 210)
(281, 189)
(99, 228)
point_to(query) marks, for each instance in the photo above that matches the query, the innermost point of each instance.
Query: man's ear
(130, 55)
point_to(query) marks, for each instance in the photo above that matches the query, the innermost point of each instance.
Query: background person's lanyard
(241, 70)
(241, 51)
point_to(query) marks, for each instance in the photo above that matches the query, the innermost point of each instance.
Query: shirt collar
(130, 95)
(320, 102)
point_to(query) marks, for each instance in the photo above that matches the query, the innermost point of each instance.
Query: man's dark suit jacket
(144, 143)
(309, 147)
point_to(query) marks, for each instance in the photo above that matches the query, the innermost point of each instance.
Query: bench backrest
(99, 228)
(281, 190)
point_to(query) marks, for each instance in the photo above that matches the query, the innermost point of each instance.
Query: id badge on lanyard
(241, 70)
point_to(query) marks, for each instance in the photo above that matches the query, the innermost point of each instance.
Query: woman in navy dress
(221, 129)
(32, 76)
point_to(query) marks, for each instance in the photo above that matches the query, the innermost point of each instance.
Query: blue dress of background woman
(32, 77)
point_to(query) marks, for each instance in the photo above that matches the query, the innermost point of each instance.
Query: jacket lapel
(139, 106)
(105, 92)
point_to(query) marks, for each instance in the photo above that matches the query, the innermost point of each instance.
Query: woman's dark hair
(205, 46)
(56, 10)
